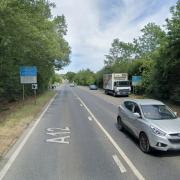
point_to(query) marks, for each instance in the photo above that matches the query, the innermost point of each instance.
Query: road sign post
(35, 96)
(34, 87)
(23, 94)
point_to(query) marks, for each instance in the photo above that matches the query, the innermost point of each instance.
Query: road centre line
(90, 119)
(113, 142)
(119, 163)
(20, 147)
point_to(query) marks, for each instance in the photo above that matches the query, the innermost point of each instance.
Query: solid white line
(90, 119)
(121, 152)
(19, 148)
(119, 163)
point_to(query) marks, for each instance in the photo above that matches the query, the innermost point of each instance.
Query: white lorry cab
(116, 84)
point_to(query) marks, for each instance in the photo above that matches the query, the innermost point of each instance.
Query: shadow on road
(129, 136)
(166, 153)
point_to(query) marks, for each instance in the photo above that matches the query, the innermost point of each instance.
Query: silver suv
(152, 122)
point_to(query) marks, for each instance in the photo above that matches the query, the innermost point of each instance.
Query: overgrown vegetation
(29, 35)
(18, 117)
(83, 77)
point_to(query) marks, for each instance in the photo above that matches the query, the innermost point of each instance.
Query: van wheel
(119, 123)
(144, 143)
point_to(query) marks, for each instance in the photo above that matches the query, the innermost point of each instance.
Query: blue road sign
(28, 74)
(136, 80)
(28, 71)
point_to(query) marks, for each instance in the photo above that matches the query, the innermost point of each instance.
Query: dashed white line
(113, 142)
(119, 163)
(81, 105)
(90, 118)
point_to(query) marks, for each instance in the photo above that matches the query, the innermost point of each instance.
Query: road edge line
(13, 157)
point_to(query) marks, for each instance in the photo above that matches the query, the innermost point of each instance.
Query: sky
(93, 24)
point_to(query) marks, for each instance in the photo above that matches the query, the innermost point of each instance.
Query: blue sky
(93, 24)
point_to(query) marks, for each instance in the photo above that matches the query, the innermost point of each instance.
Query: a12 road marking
(58, 135)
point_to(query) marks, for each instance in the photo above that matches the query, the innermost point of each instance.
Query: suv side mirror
(137, 114)
(175, 113)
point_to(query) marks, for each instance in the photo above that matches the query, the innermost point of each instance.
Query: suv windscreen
(157, 112)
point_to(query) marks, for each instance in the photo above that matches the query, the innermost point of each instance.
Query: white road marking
(60, 140)
(121, 152)
(119, 163)
(58, 132)
(61, 129)
(90, 119)
(18, 150)
(81, 105)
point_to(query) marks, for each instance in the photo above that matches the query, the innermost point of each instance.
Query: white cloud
(91, 31)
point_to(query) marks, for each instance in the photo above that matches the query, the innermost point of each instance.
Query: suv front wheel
(144, 143)
(119, 123)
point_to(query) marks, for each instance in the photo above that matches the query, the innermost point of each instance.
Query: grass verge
(18, 118)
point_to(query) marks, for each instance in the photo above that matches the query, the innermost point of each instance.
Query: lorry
(116, 84)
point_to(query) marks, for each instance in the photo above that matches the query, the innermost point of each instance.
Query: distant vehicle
(53, 86)
(92, 87)
(152, 122)
(116, 84)
(72, 85)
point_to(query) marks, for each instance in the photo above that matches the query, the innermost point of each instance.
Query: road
(77, 138)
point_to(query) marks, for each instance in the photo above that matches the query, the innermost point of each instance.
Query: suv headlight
(158, 131)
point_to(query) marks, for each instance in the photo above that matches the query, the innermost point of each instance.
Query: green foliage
(152, 38)
(120, 51)
(70, 76)
(147, 70)
(167, 67)
(56, 78)
(30, 36)
(85, 77)
(155, 55)
(135, 67)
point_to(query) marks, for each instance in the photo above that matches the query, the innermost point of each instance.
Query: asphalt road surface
(76, 139)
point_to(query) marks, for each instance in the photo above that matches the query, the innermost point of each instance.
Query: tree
(120, 51)
(70, 76)
(152, 39)
(85, 77)
(167, 72)
(30, 36)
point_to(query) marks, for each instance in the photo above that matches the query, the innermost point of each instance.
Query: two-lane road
(67, 144)
(77, 138)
